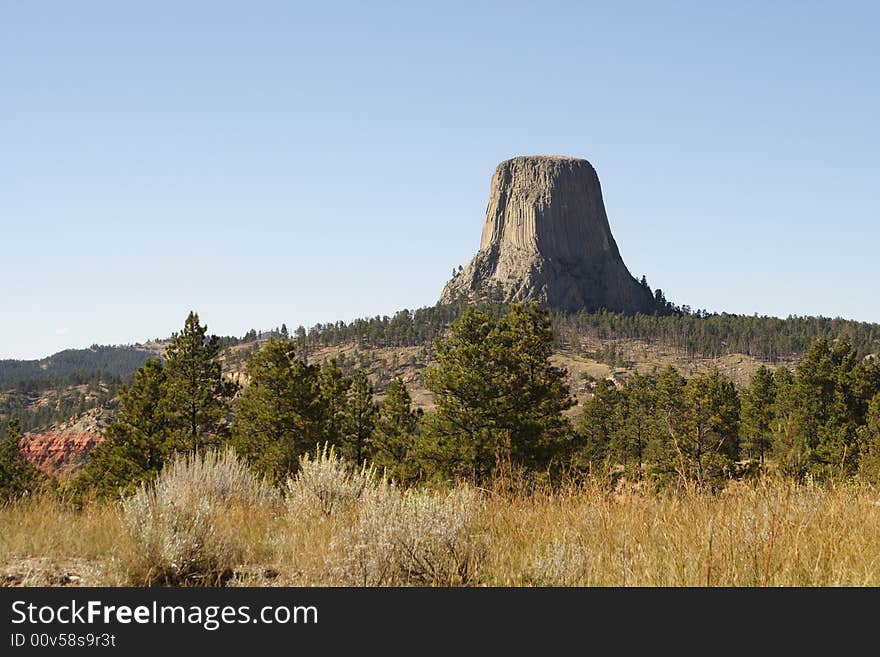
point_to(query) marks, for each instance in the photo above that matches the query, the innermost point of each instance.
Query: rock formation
(59, 453)
(546, 238)
(61, 450)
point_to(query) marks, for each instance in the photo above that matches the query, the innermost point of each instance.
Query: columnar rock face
(546, 238)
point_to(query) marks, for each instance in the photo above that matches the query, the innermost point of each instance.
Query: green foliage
(74, 366)
(698, 333)
(500, 403)
(757, 415)
(394, 438)
(703, 335)
(869, 443)
(499, 399)
(17, 476)
(333, 386)
(666, 463)
(637, 425)
(709, 442)
(135, 445)
(820, 409)
(360, 419)
(598, 426)
(281, 413)
(196, 399)
(177, 406)
(39, 404)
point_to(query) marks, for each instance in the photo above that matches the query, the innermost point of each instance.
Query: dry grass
(772, 533)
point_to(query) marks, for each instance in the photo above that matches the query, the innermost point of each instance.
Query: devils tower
(546, 238)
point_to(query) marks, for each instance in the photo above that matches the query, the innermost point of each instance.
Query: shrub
(219, 476)
(177, 522)
(415, 537)
(328, 483)
(562, 563)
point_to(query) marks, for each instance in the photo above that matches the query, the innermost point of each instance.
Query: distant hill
(111, 361)
(53, 389)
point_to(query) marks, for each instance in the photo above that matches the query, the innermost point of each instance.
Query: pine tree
(869, 438)
(360, 419)
(498, 397)
(637, 425)
(758, 401)
(665, 455)
(598, 427)
(136, 444)
(333, 388)
(280, 414)
(394, 438)
(820, 411)
(710, 443)
(17, 475)
(302, 344)
(197, 398)
(790, 449)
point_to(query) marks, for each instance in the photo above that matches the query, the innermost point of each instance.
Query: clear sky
(269, 162)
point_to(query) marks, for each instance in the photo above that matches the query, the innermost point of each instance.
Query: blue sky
(269, 162)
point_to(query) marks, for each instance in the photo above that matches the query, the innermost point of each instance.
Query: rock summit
(546, 238)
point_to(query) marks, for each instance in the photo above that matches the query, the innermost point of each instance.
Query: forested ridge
(77, 379)
(699, 334)
(74, 366)
(41, 392)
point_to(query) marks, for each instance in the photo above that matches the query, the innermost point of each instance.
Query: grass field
(340, 527)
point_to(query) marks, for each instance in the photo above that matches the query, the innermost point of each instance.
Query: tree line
(39, 404)
(500, 406)
(697, 333)
(73, 364)
(703, 335)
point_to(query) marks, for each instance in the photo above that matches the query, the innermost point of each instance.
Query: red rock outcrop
(59, 452)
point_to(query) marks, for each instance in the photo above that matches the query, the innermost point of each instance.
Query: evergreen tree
(869, 437)
(196, 399)
(395, 435)
(280, 414)
(333, 388)
(758, 401)
(666, 460)
(136, 444)
(709, 442)
(360, 419)
(498, 397)
(637, 425)
(790, 449)
(302, 343)
(598, 426)
(820, 411)
(17, 475)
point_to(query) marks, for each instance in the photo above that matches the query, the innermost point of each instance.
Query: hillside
(68, 391)
(74, 363)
